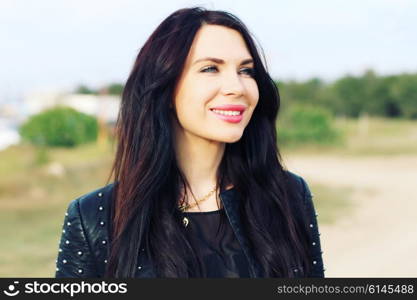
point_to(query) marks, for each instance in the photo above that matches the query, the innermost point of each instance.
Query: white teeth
(227, 112)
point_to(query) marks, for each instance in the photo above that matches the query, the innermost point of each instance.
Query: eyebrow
(221, 61)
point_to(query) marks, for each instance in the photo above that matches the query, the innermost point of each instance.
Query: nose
(232, 84)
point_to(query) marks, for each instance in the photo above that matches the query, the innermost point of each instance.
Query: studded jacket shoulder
(83, 247)
(84, 239)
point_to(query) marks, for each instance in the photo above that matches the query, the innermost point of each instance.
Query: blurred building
(8, 133)
(12, 115)
(104, 107)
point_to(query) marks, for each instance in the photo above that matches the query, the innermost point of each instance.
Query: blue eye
(212, 69)
(249, 71)
(209, 69)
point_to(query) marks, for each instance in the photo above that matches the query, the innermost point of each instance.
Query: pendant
(185, 221)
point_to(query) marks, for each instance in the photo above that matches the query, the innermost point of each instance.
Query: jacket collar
(232, 206)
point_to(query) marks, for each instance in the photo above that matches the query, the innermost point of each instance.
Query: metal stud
(57, 269)
(295, 270)
(140, 267)
(100, 208)
(313, 243)
(80, 271)
(67, 242)
(80, 253)
(100, 194)
(101, 223)
(103, 242)
(63, 230)
(56, 261)
(105, 261)
(143, 249)
(60, 250)
(66, 214)
(69, 223)
(311, 225)
(64, 261)
(314, 262)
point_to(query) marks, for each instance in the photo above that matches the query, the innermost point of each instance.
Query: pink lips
(233, 107)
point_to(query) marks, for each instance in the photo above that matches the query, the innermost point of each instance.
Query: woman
(199, 187)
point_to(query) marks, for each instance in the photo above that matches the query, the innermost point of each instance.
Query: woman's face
(216, 93)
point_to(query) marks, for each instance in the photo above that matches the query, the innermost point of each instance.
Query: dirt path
(379, 239)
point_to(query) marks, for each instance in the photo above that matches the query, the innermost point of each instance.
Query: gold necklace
(183, 207)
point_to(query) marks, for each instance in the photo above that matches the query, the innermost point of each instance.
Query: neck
(198, 159)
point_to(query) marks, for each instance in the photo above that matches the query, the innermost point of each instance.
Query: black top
(212, 237)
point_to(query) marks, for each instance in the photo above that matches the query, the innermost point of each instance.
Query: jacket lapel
(231, 203)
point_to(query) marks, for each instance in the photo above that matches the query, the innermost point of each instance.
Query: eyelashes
(213, 69)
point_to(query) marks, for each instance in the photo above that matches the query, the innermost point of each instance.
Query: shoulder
(308, 218)
(84, 239)
(300, 199)
(95, 200)
(298, 186)
(93, 211)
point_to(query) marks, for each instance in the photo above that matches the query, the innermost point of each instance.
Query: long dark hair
(144, 213)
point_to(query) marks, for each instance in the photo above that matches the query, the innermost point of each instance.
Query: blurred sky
(57, 44)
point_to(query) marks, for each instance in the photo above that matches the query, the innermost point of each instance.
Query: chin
(230, 138)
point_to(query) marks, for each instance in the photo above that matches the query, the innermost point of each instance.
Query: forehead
(219, 42)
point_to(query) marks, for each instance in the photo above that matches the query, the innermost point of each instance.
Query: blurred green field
(33, 200)
(36, 187)
(368, 136)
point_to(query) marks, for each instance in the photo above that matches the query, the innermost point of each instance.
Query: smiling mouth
(229, 116)
(227, 112)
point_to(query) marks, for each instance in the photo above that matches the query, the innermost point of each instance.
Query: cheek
(191, 106)
(205, 90)
(195, 98)
(253, 93)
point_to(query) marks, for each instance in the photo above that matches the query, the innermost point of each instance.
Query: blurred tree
(60, 126)
(384, 102)
(82, 89)
(115, 89)
(307, 125)
(388, 96)
(404, 90)
(301, 91)
(350, 94)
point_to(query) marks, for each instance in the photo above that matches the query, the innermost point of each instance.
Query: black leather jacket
(83, 247)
